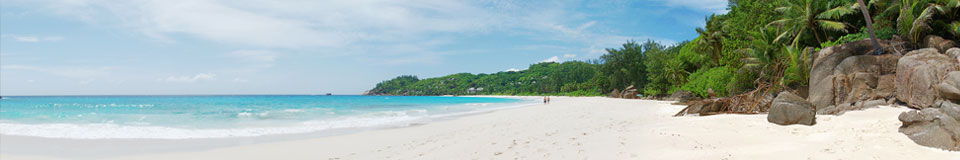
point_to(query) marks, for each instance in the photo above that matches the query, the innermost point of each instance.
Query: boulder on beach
(629, 93)
(950, 87)
(681, 96)
(933, 127)
(917, 75)
(788, 109)
(615, 93)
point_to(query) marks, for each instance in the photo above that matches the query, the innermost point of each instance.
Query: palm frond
(921, 23)
(832, 25)
(836, 13)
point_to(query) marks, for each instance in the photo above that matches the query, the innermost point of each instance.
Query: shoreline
(578, 128)
(325, 127)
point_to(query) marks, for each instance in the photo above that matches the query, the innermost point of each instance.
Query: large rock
(918, 72)
(949, 88)
(953, 53)
(789, 108)
(888, 63)
(615, 93)
(629, 93)
(886, 87)
(835, 66)
(931, 127)
(937, 42)
(861, 85)
(681, 96)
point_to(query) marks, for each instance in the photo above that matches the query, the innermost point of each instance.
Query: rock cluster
(935, 126)
(681, 96)
(628, 93)
(929, 82)
(846, 77)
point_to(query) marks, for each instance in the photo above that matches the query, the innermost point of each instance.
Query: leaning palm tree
(873, 36)
(802, 16)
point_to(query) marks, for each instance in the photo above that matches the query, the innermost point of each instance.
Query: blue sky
(99, 47)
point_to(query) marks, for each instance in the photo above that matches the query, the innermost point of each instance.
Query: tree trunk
(817, 35)
(873, 37)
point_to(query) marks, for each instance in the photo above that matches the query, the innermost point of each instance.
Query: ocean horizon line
(133, 95)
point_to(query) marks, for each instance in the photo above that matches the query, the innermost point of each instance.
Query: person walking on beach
(544, 100)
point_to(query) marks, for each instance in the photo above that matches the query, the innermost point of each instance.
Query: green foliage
(764, 43)
(547, 78)
(624, 66)
(714, 78)
(802, 17)
(664, 70)
(797, 73)
(882, 33)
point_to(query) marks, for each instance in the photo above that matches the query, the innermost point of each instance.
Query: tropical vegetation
(758, 44)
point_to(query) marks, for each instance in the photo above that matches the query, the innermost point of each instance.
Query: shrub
(716, 78)
(882, 33)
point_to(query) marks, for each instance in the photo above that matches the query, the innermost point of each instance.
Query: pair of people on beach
(546, 99)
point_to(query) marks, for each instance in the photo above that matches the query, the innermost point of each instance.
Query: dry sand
(597, 128)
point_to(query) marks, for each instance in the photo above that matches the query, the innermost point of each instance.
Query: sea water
(189, 117)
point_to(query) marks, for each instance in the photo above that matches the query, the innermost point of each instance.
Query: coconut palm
(802, 16)
(711, 38)
(873, 36)
(915, 18)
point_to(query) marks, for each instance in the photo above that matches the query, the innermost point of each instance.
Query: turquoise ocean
(190, 117)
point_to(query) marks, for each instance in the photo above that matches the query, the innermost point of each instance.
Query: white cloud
(290, 24)
(190, 79)
(19, 38)
(712, 6)
(513, 70)
(567, 56)
(342, 27)
(551, 59)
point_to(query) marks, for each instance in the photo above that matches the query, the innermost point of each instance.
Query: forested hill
(570, 78)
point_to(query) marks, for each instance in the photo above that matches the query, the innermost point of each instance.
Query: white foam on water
(109, 130)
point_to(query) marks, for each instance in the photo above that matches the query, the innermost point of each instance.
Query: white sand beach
(595, 128)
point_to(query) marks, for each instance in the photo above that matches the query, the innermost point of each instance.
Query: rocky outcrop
(937, 42)
(843, 76)
(629, 93)
(703, 107)
(614, 94)
(917, 74)
(953, 53)
(936, 126)
(949, 88)
(681, 96)
(788, 109)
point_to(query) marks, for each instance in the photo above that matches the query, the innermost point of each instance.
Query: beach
(575, 128)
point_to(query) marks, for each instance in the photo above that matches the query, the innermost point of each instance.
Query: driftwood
(753, 102)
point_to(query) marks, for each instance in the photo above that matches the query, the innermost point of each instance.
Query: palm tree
(916, 17)
(873, 36)
(711, 38)
(801, 16)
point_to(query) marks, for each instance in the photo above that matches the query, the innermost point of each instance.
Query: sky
(172, 47)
